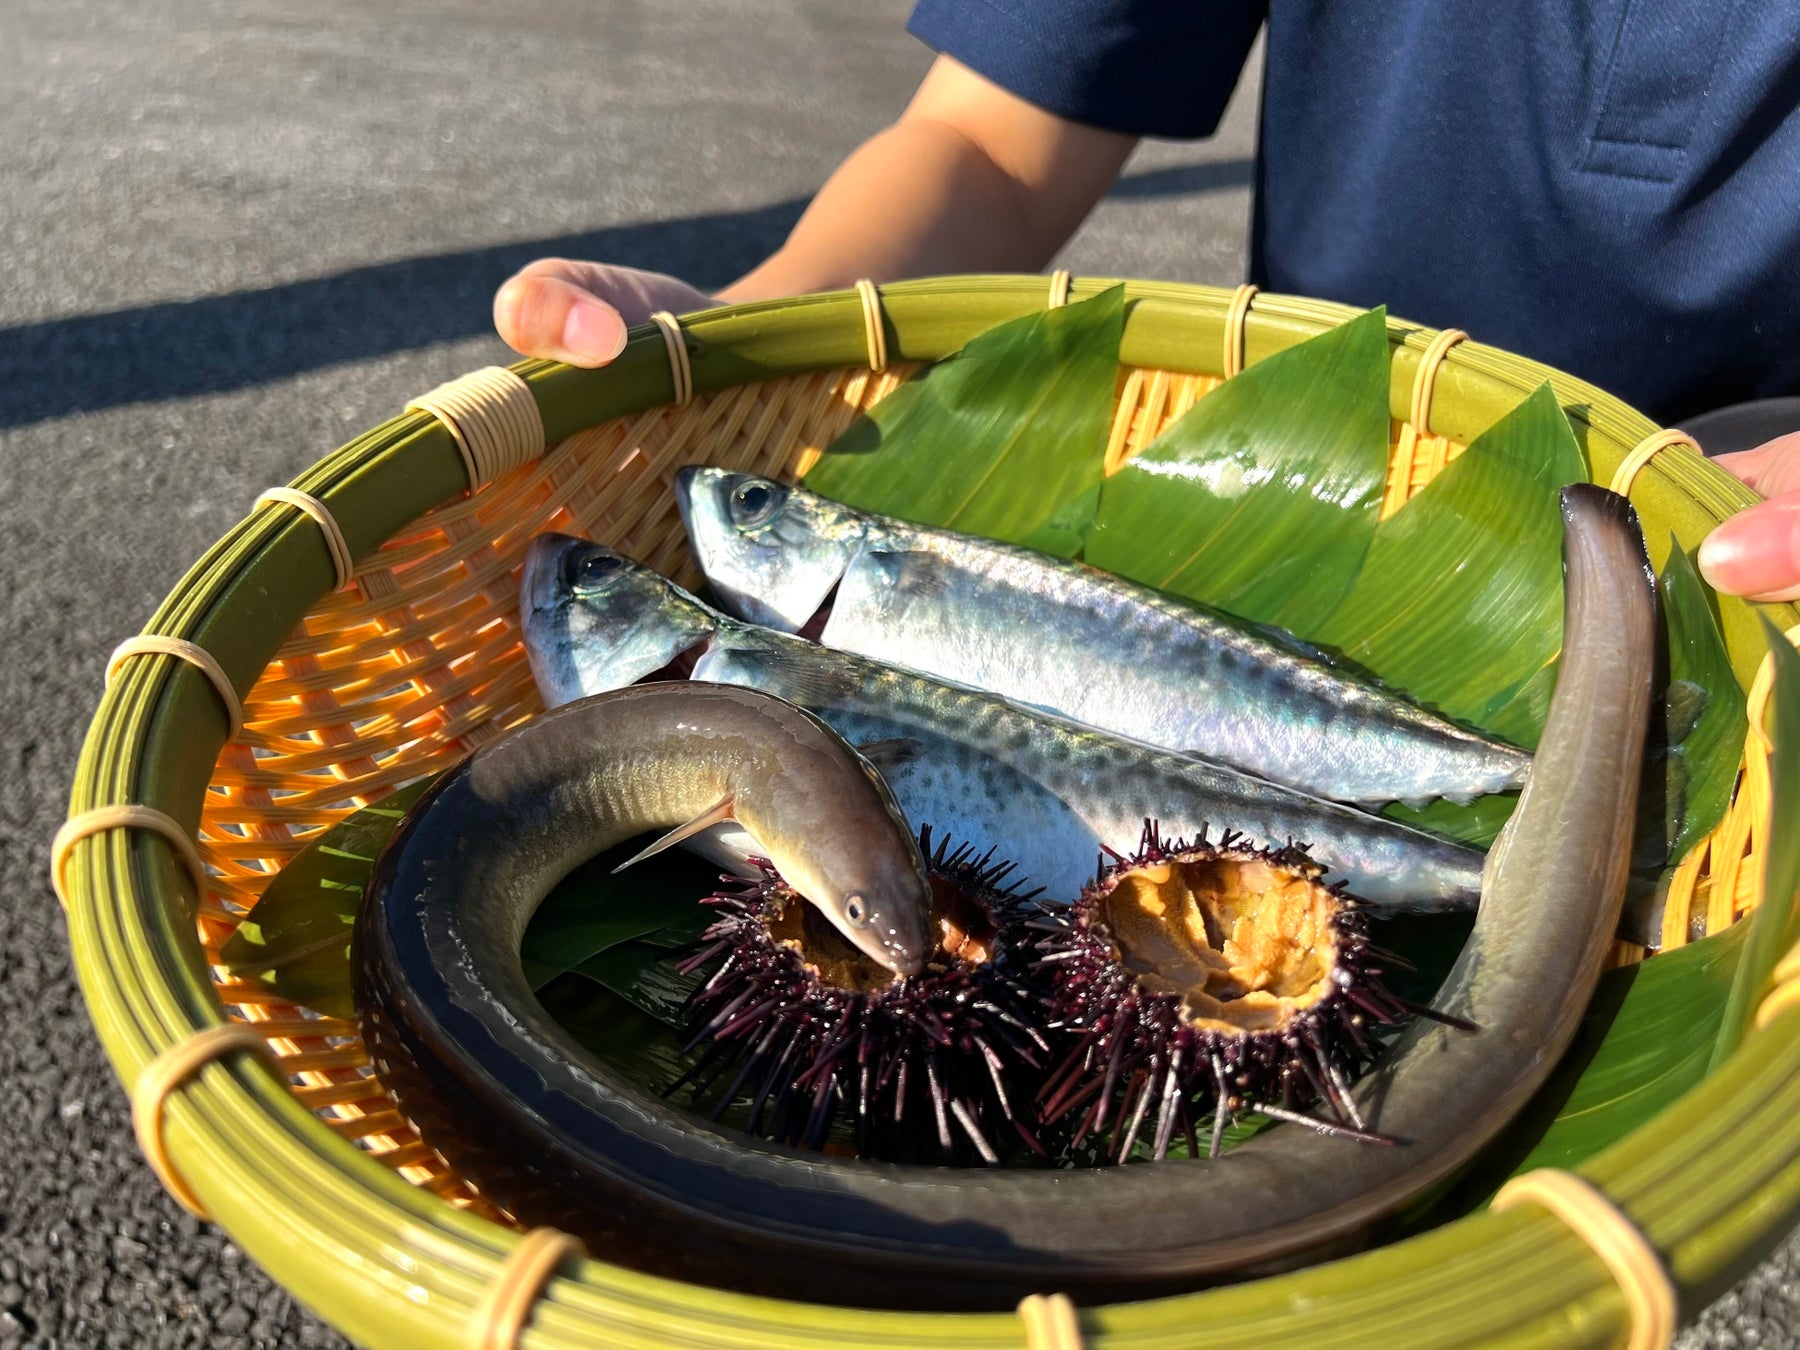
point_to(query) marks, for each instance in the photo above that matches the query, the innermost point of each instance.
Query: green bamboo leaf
(296, 941)
(1645, 1040)
(1478, 823)
(1689, 773)
(682, 932)
(1772, 925)
(1460, 600)
(1263, 498)
(643, 976)
(1006, 438)
(618, 1034)
(643, 1047)
(1521, 718)
(1430, 945)
(1704, 710)
(594, 909)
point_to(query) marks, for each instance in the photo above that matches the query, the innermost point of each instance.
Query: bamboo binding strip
(493, 418)
(1051, 1322)
(163, 1075)
(505, 1304)
(1783, 994)
(1431, 361)
(1610, 1234)
(874, 328)
(1407, 461)
(681, 371)
(1784, 990)
(156, 644)
(1060, 281)
(1756, 702)
(1645, 451)
(335, 543)
(122, 816)
(1235, 315)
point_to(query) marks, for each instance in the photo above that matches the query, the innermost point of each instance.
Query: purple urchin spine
(1135, 1069)
(940, 1067)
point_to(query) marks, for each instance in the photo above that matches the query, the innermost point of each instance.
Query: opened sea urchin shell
(942, 1066)
(1201, 979)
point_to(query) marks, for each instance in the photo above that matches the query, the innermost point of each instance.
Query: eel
(653, 1187)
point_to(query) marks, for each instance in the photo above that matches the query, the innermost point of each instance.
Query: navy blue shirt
(1610, 186)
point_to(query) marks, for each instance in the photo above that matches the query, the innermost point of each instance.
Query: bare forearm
(918, 199)
(970, 179)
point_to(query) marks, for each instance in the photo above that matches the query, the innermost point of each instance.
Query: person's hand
(578, 311)
(1757, 552)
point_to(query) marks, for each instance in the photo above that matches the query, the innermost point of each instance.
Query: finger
(545, 312)
(637, 294)
(1770, 469)
(1756, 553)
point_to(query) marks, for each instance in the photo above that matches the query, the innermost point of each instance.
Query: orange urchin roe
(966, 934)
(966, 931)
(828, 955)
(1245, 945)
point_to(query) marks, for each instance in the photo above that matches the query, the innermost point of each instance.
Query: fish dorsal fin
(800, 671)
(716, 814)
(888, 755)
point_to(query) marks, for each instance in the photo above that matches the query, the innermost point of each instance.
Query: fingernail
(1756, 553)
(593, 333)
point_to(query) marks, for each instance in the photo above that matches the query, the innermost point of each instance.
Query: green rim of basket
(1713, 1180)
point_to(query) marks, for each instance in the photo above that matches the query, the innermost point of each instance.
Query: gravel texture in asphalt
(233, 233)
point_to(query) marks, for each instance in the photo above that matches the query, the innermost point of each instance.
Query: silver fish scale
(1051, 793)
(1123, 658)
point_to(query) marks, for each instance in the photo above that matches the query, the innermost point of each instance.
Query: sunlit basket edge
(337, 1227)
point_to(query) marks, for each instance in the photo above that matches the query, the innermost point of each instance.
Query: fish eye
(592, 570)
(756, 502)
(856, 910)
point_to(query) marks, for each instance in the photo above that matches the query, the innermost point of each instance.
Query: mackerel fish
(1047, 793)
(1084, 643)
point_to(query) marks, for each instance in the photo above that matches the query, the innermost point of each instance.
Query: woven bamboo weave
(419, 660)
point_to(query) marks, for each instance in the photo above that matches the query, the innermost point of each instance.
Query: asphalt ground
(233, 233)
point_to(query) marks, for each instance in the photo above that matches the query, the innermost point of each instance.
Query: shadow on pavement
(218, 343)
(224, 342)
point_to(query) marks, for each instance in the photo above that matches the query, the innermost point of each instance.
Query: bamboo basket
(274, 1127)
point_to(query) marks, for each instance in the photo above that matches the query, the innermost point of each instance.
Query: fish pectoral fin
(716, 814)
(887, 755)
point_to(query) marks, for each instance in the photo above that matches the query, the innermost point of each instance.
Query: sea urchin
(1205, 979)
(942, 1066)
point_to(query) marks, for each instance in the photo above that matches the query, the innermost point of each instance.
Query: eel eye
(756, 502)
(593, 570)
(856, 910)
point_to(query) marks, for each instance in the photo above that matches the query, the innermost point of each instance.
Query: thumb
(1756, 553)
(577, 312)
(547, 311)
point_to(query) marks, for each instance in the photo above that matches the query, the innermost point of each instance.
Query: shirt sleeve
(1143, 67)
